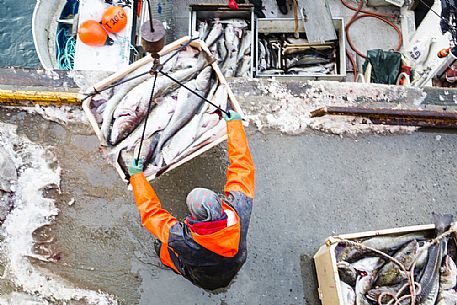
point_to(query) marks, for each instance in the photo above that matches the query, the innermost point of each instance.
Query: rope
(367, 14)
(147, 115)
(194, 92)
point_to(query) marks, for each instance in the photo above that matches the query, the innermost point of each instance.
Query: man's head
(204, 205)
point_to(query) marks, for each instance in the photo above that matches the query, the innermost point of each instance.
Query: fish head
(122, 127)
(368, 264)
(448, 266)
(238, 32)
(442, 222)
(407, 254)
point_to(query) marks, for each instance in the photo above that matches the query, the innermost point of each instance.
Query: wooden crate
(222, 11)
(325, 261)
(287, 25)
(105, 147)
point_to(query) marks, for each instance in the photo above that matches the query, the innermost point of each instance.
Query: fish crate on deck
(329, 289)
(106, 148)
(279, 26)
(210, 11)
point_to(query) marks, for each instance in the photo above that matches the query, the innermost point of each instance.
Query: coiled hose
(366, 14)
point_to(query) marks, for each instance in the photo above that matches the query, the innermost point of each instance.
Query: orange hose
(366, 14)
(354, 65)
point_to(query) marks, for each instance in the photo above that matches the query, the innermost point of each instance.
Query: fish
(347, 293)
(147, 148)
(306, 60)
(8, 172)
(244, 66)
(448, 276)
(390, 273)
(117, 97)
(294, 40)
(202, 28)
(184, 137)
(421, 256)
(230, 39)
(187, 105)
(97, 107)
(157, 120)
(361, 287)
(245, 45)
(168, 61)
(221, 49)
(209, 136)
(273, 71)
(429, 281)
(317, 69)
(347, 273)
(220, 98)
(232, 43)
(235, 22)
(368, 264)
(215, 52)
(267, 53)
(447, 297)
(214, 34)
(209, 120)
(349, 253)
(133, 108)
(262, 56)
(391, 243)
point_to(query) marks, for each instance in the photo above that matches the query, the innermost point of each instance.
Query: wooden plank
(32, 97)
(317, 20)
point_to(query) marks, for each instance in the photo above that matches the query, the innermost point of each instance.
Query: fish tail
(442, 221)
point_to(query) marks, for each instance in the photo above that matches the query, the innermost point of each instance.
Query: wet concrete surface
(308, 187)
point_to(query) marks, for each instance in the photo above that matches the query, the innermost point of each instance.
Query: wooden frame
(325, 261)
(146, 60)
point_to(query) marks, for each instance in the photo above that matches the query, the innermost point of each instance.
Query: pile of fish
(280, 54)
(179, 122)
(367, 277)
(229, 40)
(8, 179)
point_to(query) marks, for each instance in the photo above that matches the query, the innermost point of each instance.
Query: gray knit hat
(204, 205)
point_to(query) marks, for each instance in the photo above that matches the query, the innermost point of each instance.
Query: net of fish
(180, 124)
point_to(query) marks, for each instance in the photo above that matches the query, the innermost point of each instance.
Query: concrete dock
(307, 188)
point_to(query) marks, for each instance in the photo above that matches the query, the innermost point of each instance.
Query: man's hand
(136, 167)
(233, 116)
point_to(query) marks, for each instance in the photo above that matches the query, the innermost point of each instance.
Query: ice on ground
(290, 113)
(62, 115)
(37, 171)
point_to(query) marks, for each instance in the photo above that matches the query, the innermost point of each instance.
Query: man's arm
(155, 219)
(240, 173)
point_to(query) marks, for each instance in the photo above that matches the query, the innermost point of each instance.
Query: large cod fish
(188, 105)
(132, 110)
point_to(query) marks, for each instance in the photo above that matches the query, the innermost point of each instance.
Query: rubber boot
(282, 6)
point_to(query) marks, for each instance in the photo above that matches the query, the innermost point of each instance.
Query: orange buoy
(114, 19)
(92, 33)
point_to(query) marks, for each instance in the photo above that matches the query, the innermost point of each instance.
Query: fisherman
(209, 247)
